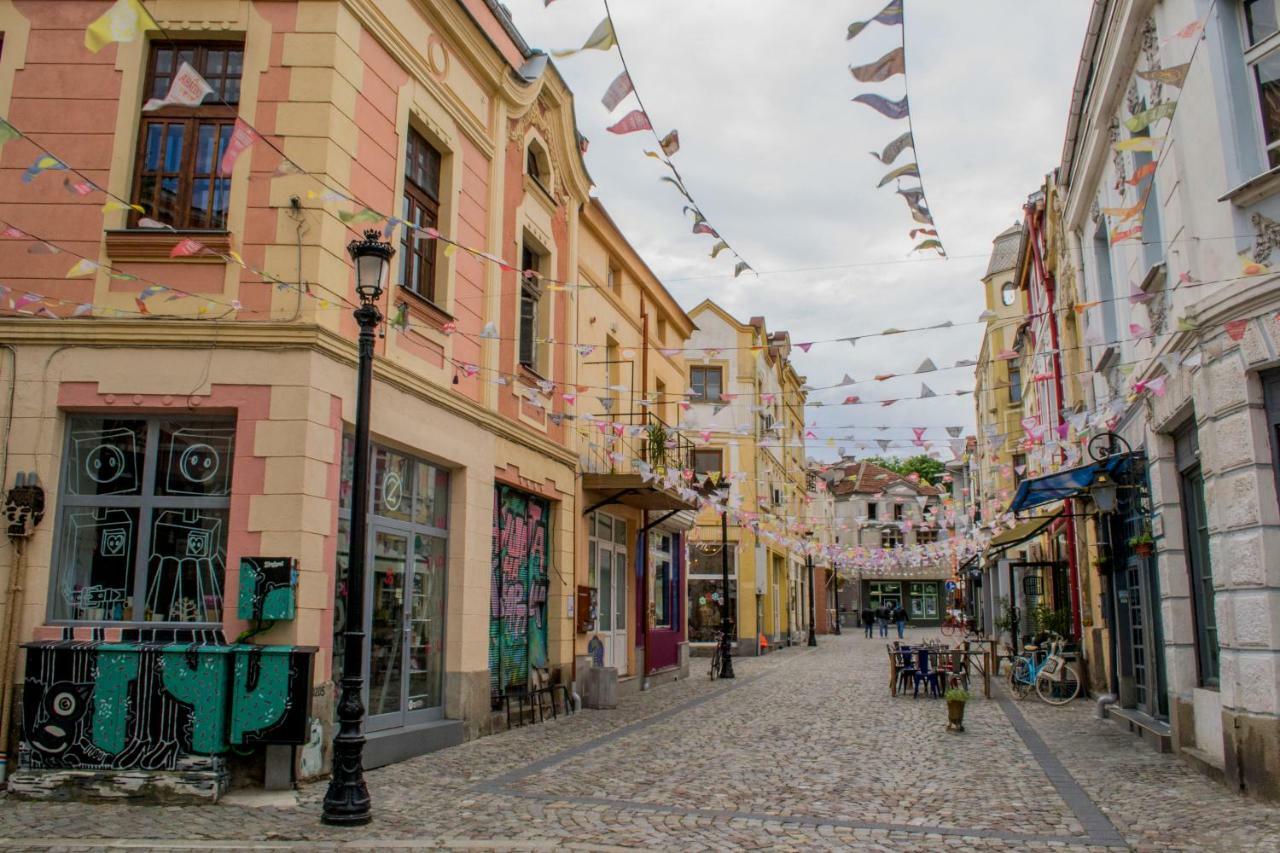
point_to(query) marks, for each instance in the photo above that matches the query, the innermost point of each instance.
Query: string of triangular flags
(605, 37)
(894, 64)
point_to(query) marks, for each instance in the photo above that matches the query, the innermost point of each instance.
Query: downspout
(645, 667)
(1073, 569)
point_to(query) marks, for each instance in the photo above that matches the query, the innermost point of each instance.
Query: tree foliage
(929, 469)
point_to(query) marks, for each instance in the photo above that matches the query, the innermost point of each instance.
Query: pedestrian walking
(868, 619)
(900, 619)
(882, 619)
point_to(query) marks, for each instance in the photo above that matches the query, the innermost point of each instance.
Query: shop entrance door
(405, 627)
(610, 547)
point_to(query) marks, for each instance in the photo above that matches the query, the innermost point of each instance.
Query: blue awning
(1063, 484)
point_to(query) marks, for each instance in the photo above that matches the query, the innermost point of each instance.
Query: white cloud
(776, 156)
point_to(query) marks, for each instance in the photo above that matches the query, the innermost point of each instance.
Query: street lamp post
(835, 594)
(726, 621)
(813, 634)
(346, 802)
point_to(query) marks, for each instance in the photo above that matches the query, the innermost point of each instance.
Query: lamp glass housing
(1104, 493)
(372, 259)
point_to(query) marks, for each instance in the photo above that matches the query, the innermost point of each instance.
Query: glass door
(387, 629)
(425, 643)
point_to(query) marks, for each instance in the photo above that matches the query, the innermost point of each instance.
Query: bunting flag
(926, 391)
(889, 65)
(1141, 173)
(186, 247)
(618, 89)
(670, 143)
(931, 243)
(1120, 236)
(911, 170)
(1139, 143)
(887, 108)
(82, 267)
(1124, 214)
(740, 267)
(890, 15)
(43, 163)
(895, 148)
(718, 248)
(632, 122)
(8, 132)
(601, 38)
(242, 137)
(124, 21)
(1140, 121)
(926, 366)
(356, 217)
(188, 89)
(1175, 76)
(914, 197)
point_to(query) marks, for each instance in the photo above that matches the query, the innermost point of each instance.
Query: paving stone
(805, 750)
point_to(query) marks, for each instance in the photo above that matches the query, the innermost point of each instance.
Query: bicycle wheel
(1059, 688)
(948, 628)
(1020, 678)
(715, 662)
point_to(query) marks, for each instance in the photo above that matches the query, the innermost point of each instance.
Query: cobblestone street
(805, 750)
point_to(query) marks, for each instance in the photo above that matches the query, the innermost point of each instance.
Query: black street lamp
(813, 634)
(835, 594)
(346, 802)
(710, 487)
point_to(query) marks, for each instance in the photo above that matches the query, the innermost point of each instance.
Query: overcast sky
(775, 154)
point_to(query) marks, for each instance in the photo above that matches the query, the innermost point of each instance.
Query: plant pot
(955, 716)
(1144, 549)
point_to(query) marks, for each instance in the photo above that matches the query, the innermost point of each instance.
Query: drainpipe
(645, 666)
(1073, 569)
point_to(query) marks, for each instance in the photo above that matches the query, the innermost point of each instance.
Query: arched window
(1008, 293)
(537, 165)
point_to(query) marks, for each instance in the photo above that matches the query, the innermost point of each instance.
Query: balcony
(609, 471)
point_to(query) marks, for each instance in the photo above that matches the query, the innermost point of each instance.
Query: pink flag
(849, 401)
(805, 346)
(186, 247)
(1236, 328)
(618, 89)
(241, 138)
(630, 123)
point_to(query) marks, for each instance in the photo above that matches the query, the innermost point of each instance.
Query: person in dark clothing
(882, 619)
(868, 619)
(900, 619)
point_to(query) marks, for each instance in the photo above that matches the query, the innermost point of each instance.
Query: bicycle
(1055, 679)
(954, 625)
(717, 658)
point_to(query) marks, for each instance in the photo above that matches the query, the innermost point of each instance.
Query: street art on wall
(268, 588)
(148, 705)
(518, 590)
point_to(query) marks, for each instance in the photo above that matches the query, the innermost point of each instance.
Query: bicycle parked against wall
(1056, 680)
(717, 657)
(958, 625)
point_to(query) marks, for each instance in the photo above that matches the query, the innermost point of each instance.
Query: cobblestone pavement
(805, 750)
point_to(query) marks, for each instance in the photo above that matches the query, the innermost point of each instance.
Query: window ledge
(530, 377)
(154, 244)
(422, 308)
(1154, 280)
(1255, 189)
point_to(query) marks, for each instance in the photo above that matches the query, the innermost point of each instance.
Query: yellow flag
(84, 266)
(124, 21)
(120, 205)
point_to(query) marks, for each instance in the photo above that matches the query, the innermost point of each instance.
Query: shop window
(421, 207)
(706, 590)
(923, 601)
(176, 179)
(144, 506)
(1262, 56)
(884, 594)
(705, 384)
(708, 461)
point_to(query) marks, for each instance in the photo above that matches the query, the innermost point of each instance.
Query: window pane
(606, 593)
(205, 143)
(186, 565)
(1267, 72)
(620, 531)
(173, 147)
(105, 456)
(432, 507)
(426, 623)
(386, 652)
(620, 581)
(151, 151)
(213, 63)
(95, 564)
(235, 62)
(195, 459)
(164, 60)
(391, 485)
(1261, 18)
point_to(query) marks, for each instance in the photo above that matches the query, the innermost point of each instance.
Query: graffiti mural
(518, 590)
(268, 588)
(147, 705)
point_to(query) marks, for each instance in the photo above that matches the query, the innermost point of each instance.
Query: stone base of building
(1252, 755)
(204, 781)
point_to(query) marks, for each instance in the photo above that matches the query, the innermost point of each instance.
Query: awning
(1019, 533)
(1064, 484)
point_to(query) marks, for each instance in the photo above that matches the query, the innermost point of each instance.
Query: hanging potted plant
(956, 697)
(1143, 544)
(657, 449)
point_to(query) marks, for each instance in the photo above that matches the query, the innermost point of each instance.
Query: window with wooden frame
(707, 462)
(530, 308)
(421, 208)
(176, 180)
(705, 384)
(1262, 58)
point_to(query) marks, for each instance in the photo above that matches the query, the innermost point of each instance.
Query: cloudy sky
(776, 156)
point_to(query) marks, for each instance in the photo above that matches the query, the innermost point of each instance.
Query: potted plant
(956, 697)
(1143, 544)
(657, 449)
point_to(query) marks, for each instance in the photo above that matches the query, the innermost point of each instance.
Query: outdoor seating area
(929, 668)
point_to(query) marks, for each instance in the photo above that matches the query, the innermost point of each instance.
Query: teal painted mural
(144, 705)
(268, 588)
(518, 590)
